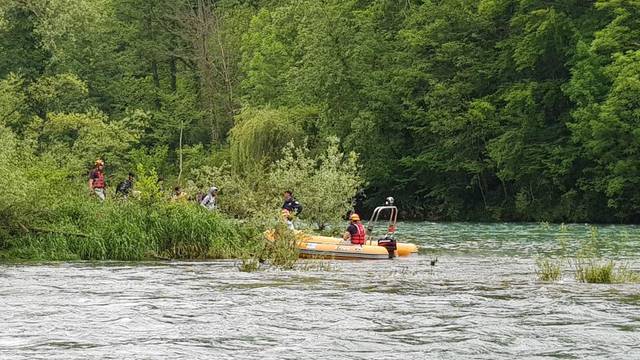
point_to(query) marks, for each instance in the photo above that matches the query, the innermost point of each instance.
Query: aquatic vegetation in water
(596, 271)
(548, 269)
(249, 264)
(129, 231)
(590, 266)
(282, 251)
(279, 251)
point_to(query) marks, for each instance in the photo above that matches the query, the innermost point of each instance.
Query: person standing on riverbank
(96, 180)
(292, 205)
(179, 195)
(125, 187)
(210, 202)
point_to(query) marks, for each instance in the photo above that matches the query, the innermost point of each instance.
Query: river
(481, 300)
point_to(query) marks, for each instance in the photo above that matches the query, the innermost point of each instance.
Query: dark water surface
(481, 301)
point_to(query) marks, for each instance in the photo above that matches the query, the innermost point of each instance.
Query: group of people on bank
(291, 208)
(97, 187)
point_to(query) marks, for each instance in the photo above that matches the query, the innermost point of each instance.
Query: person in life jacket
(356, 232)
(96, 180)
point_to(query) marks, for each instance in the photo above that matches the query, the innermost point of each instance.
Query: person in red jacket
(356, 232)
(96, 180)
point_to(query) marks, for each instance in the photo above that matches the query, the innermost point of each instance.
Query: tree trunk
(180, 151)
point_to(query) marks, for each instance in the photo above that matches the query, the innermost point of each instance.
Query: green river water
(481, 300)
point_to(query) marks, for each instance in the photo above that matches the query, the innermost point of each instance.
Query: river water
(481, 300)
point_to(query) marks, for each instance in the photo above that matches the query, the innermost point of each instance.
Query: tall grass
(118, 230)
(588, 261)
(548, 269)
(597, 271)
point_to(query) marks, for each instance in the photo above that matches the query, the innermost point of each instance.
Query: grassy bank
(81, 228)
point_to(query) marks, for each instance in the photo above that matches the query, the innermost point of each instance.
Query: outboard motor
(389, 243)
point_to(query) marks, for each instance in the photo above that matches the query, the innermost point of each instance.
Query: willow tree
(259, 135)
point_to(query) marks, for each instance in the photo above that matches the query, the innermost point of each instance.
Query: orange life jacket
(359, 237)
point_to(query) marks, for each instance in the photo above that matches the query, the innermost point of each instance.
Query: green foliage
(127, 230)
(325, 185)
(78, 139)
(58, 93)
(461, 109)
(13, 102)
(259, 135)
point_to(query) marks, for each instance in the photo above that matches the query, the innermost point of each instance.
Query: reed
(597, 271)
(128, 230)
(548, 269)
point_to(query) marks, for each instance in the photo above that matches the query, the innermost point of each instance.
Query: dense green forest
(460, 109)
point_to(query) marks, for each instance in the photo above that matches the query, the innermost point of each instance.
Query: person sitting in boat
(292, 205)
(356, 232)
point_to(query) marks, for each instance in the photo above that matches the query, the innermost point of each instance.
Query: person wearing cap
(210, 201)
(356, 232)
(96, 180)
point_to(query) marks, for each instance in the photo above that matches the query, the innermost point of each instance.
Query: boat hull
(338, 251)
(403, 249)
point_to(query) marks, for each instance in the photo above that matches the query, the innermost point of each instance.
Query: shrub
(325, 185)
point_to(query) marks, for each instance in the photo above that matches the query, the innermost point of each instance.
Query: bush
(324, 185)
(130, 230)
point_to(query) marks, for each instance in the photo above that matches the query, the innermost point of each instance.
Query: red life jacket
(359, 237)
(98, 181)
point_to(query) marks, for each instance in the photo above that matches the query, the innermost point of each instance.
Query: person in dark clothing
(125, 187)
(291, 204)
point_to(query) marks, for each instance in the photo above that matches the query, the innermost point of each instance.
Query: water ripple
(481, 301)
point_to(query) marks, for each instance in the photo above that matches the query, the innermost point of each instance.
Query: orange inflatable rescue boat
(375, 247)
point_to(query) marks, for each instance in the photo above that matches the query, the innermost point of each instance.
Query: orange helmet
(354, 217)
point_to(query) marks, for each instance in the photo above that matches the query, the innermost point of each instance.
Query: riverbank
(85, 229)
